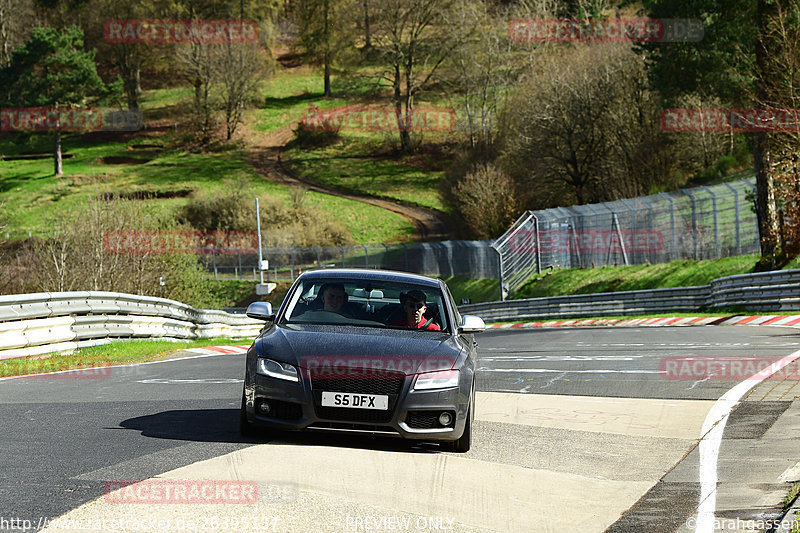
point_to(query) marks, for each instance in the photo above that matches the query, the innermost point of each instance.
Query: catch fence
(697, 223)
(472, 259)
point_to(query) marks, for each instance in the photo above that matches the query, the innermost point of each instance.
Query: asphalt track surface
(64, 437)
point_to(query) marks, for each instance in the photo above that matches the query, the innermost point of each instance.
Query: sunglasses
(416, 305)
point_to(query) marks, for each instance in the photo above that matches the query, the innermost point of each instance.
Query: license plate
(357, 401)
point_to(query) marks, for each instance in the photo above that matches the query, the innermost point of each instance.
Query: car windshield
(366, 303)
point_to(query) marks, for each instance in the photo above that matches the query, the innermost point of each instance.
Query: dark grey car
(362, 368)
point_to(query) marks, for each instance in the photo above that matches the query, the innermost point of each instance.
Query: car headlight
(436, 380)
(276, 369)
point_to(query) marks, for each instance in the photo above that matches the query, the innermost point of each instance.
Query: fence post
(341, 249)
(672, 225)
(214, 261)
(500, 273)
(633, 230)
(538, 244)
(716, 228)
(694, 221)
(385, 255)
(366, 256)
(405, 253)
(736, 215)
(652, 228)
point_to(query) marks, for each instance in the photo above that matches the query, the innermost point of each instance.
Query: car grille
(385, 383)
(374, 382)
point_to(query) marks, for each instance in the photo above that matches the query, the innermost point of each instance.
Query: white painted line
(547, 370)
(711, 439)
(211, 381)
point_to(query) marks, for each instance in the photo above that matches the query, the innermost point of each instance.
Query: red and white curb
(216, 350)
(740, 320)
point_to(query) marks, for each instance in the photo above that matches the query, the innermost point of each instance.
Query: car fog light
(445, 418)
(264, 408)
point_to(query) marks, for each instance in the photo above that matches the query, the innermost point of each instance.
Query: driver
(333, 297)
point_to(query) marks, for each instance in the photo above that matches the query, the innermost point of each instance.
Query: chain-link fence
(697, 223)
(472, 259)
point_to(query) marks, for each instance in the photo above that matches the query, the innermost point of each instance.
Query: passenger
(414, 308)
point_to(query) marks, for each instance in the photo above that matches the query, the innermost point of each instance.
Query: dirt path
(264, 155)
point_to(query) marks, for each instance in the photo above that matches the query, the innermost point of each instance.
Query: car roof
(369, 275)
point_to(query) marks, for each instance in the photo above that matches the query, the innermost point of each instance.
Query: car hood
(341, 349)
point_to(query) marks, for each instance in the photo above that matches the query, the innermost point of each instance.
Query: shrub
(309, 136)
(487, 201)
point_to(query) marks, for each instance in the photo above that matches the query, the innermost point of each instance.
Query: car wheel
(246, 429)
(463, 444)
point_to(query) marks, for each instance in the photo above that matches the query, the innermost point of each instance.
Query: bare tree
(412, 39)
(16, 22)
(776, 153)
(196, 60)
(584, 127)
(239, 69)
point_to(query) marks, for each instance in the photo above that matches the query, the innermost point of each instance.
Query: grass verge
(630, 278)
(101, 357)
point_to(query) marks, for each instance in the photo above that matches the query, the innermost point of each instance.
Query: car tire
(463, 444)
(246, 428)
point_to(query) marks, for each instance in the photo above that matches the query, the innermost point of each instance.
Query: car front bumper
(295, 406)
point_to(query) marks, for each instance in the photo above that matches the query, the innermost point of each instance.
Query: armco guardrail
(768, 291)
(34, 324)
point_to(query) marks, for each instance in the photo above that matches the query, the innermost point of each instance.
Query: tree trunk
(57, 155)
(402, 125)
(765, 196)
(133, 88)
(327, 45)
(765, 189)
(367, 36)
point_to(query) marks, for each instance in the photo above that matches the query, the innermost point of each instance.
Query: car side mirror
(260, 311)
(471, 324)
